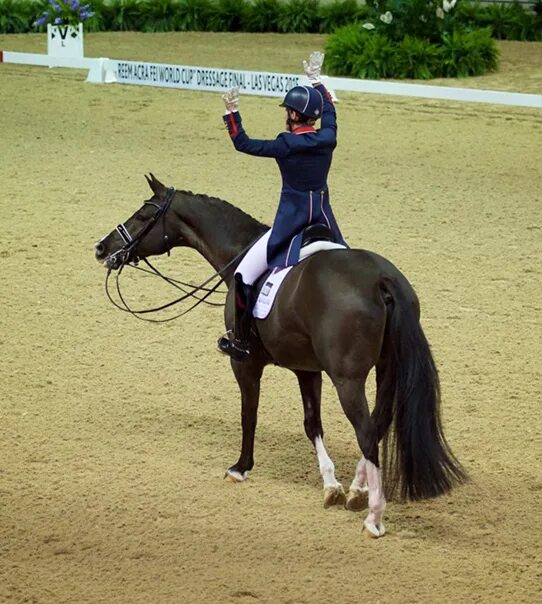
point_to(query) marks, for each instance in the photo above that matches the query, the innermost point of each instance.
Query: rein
(136, 313)
(123, 255)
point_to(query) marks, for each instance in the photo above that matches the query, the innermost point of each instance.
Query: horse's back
(353, 277)
(328, 298)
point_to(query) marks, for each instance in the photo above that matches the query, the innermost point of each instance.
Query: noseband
(126, 252)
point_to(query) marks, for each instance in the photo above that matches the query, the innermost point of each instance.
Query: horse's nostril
(99, 249)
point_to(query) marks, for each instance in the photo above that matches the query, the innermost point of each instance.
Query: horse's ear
(156, 186)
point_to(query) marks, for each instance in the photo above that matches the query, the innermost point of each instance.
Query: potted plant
(64, 19)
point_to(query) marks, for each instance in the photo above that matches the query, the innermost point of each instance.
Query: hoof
(334, 496)
(358, 499)
(373, 531)
(235, 476)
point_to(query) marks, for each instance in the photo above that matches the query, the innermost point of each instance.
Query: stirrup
(235, 349)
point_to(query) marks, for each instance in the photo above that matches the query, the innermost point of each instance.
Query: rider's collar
(303, 130)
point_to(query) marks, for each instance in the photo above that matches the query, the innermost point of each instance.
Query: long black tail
(416, 459)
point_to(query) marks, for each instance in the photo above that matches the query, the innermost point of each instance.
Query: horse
(342, 312)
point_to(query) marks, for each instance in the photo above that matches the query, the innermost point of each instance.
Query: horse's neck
(215, 228)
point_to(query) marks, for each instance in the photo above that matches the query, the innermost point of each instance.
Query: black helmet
(305, 100)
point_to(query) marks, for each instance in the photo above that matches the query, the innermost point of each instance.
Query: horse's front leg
(310, 384)
(248, 377)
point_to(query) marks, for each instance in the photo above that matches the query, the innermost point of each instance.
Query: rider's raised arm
(242, 142)
(312, 69)
(329, 115)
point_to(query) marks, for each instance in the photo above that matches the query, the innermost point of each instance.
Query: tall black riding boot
(237, 347)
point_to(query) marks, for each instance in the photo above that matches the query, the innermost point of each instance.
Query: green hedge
(417, 39)
(505, 21)
(352, 51)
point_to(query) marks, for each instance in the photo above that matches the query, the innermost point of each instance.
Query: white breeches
(254, 264)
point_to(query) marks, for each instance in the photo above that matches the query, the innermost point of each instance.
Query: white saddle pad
(269, 290)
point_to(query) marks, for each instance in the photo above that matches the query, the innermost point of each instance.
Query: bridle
(125, 257)
(125, 254)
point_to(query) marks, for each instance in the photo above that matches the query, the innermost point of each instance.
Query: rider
(303, 155)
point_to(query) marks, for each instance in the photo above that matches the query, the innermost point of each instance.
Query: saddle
(316, 232)
(315, 238)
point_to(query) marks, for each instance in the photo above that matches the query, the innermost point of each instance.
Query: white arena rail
(189, 77)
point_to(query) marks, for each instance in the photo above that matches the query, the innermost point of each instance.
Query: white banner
(256, 82)
(202, 78)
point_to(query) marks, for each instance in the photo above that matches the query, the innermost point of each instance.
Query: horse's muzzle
(110, 261)
(99, 251)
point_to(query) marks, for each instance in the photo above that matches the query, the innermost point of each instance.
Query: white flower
(423, 18)
(368, 26)
(440, 12)
(387, 17)
(447, 5)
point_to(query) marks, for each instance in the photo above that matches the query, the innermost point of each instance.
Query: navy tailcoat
(304, 158)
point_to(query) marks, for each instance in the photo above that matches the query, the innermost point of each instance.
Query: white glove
(231, 100)
(313, 67)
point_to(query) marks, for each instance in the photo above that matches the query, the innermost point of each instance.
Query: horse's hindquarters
(329, 315)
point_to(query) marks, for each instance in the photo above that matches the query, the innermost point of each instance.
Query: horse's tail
(416, 460)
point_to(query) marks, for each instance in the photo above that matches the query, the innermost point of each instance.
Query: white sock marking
(377, 501)
(360, 479)
(327, 468)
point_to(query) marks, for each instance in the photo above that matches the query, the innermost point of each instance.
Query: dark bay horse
(339, 311)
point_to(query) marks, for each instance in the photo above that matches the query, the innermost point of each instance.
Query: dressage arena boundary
(106, 71)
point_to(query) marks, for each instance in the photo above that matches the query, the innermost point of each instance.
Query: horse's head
(144, 234)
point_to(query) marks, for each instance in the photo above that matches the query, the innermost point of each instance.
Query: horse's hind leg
(310, 384)
(248, 377)
(351, 393)
(358, 494)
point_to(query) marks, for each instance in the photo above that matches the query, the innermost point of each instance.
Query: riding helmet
(305, 100)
